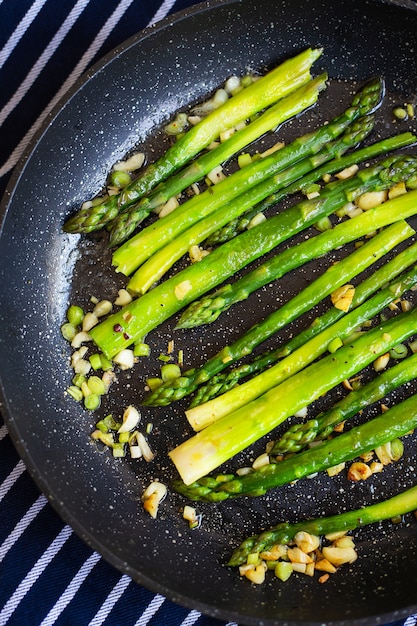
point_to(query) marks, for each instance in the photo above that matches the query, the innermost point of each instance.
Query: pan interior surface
(117, 107)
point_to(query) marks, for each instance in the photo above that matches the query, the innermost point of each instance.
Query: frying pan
(117, 105)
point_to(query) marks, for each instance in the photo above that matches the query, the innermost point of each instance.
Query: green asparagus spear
(202, 415)
(127, 221)
(299, 435)
(223, 382)
(210, 307)
(322, 168)
(139, 248)
(284, 533)
(160, 262)
(276, 84)
(219, 442)
(143, 314)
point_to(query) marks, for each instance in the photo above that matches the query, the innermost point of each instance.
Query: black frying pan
(118, 104)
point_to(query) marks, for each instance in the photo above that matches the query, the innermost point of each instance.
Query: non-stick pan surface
(116, 106)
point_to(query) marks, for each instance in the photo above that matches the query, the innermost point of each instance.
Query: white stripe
(33, 575)
(75, 74)
(21, 526)
(3, 432)
(19, 31)
(43, 59)
(150, 610)
(411, 621)
(116, 593)
(162, 12)
(191, 618)
(7, 484)
(71, 590)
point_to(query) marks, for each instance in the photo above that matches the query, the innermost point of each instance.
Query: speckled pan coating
(116, 106)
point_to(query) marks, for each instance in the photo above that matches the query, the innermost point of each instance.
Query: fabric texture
(47, 574)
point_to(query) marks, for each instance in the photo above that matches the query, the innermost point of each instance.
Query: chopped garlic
(342, 297)
(147, 453)
(125, 359)
(89, 320)
(348, 172)
(131, 418)
(397, 190)
(306, 541)
(371, 199)
(80, 338)
(339, 556)
(359, 471)
(130, 165)
(102, 308)
(153, 496)
(168, 207)
(381, 362)
(123, 298)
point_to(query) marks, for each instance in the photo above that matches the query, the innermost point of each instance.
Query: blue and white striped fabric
(47, 574)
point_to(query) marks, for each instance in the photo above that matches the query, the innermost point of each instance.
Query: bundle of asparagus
(230, 415)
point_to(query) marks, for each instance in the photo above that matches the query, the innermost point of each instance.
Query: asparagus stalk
(276, 84)
(143, 314)
(298, 436)
(322, 167)
(223, 382)
(205, 414)
(222, 440)
(139, 248)
(127, 221)
(160, 262)
(284, 533)
(211, 306)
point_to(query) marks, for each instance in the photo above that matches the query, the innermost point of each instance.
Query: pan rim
(24, 453)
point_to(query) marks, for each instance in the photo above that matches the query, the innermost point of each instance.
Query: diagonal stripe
(21, 526)
(116, 593)
(8, 483)
(71, 590)
(162, 12)
(153, 606)
(191, 618)
(33, 575)
(19, 31)
(75, 74)
(43, 60)
(3, 432)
